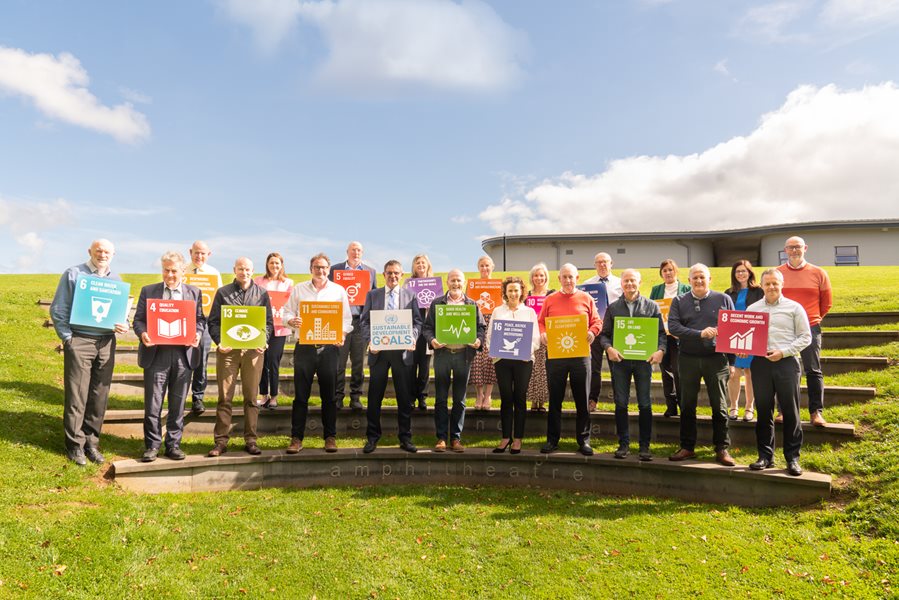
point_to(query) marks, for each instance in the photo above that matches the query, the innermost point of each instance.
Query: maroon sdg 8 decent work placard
(742, 332)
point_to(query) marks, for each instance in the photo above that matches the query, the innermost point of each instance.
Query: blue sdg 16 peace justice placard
(99, 302)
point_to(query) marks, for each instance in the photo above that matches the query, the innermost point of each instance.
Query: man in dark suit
(390, 297)
(354, 345)
(167, 367)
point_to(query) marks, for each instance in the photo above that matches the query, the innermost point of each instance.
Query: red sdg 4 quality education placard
(171, 322)
(742, 332)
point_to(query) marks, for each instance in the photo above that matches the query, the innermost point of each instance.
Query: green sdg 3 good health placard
(243, 327)
(636, 338)
(455, 323)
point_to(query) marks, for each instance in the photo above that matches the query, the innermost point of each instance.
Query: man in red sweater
(809, 286)
(569, 301)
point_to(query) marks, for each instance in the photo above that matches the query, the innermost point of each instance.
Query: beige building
(868, 242)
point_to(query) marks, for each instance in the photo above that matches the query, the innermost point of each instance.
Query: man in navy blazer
(167, 367)
(354, 344)
(390, 297)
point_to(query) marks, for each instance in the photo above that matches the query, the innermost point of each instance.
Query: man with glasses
(603, 264)
(693, 319)
(809, 285)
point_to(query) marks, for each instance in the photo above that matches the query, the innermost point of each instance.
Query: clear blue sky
(426, 125)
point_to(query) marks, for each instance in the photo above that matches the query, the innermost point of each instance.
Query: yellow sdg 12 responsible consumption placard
(566, 337)
(208, 285)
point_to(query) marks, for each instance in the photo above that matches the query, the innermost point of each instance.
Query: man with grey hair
(167, 368)
(199, 265)
(603, 263)
(777, 373)
(693, 320)
(89, 359)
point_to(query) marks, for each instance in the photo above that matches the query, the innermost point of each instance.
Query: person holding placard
(391, 297)
(353, 347)
(240, 348)
(278, 285)
(421, 360)
(199, 255)
(743, 291)
(664, 293)
(777, 373)
(483, 375)
(538, 390)
(316, 359)
(168, 366)
(513, 368)
(452, 355)
(633, 337)
(603, 263)
(89, 357)
(562, 369)
(694, 321)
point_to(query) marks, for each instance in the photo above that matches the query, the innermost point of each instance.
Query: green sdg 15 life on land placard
(455, 323)
(243, 327)
(636, 338)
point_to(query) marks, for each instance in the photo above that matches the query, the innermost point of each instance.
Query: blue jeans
(449, 365)
(641, 371)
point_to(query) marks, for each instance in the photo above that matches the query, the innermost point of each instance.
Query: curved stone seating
(844, 319)
(692, 481)
(857, 339)
(129, 423)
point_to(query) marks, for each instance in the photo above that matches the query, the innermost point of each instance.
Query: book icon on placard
(171, 329)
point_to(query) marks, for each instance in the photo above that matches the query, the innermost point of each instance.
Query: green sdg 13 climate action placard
(455, 323)
(243, 327)
(636, 338)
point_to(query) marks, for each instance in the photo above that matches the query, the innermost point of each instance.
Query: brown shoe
(818, 419)
(252, 448)
(682, 454)
(330, 444)
(457, 446)
(440, 446)
(296, 444)
(723, 457)
(217, 450)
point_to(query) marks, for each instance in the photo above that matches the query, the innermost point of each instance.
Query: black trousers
(420, 372)
(714, 371)
(513, 377)
(778, 379)
(169, 374)
(558, 372)
(354, 349)
(670, 376)
(596, 357)
(386, 362)
(307, 362)
(271, 366)
(199, 378)
(814, 377)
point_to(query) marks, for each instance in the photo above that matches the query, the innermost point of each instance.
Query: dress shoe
(356, 405)
(272, 403)
(263, 402)
(671, 412)
(217, 450)
(502, 447)
(175, 453)
(197, 408)
(723, 457)
(440, 446)
(408, 446)
(682, 454)
(513, 449)
(252, 448)
(77, 457)
(330, 444)
(338, 404)
(422, 405)
(296, 444)
(761, 464)
(94, 455)
(622, 451)
(586, 449)
(149, 455)
(456, 446)
(793, 467)
(549, 448)
(818, 419)
(369, 446)
(644, 454)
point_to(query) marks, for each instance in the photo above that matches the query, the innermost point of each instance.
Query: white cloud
(57, 86)
(460, 219)
(135, 96)
(721, 67)
(270, 20)
(825, 154)
(770, 21)
(24, 222)
(860, 13)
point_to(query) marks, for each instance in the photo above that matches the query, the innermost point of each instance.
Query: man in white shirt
(603, 264)
(199, 254)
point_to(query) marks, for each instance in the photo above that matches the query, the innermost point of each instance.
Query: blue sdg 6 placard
(99, 302)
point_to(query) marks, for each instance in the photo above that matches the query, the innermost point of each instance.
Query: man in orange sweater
(809, 285)
(569, 301)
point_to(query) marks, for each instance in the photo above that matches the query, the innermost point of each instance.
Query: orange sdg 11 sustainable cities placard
(487, 293)
(566, 337)
(322, 323)
(207, 283)
(356, 282)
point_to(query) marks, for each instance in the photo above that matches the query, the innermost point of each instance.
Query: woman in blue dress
(743, 291)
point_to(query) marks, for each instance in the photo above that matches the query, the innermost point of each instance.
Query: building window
(621, 251)
(782, 257)
(569, 252)
(845, 255)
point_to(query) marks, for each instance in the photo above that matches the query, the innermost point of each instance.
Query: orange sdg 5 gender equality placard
(356, 282)
(322, 323)
(566, 337)
(487, 293)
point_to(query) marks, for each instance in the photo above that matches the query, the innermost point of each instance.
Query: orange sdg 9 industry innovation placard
(566, 337)
(322, 323)
(487, 293)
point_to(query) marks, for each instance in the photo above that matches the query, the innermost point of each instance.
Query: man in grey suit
(390, 297)
(354, 345)
(167, 367)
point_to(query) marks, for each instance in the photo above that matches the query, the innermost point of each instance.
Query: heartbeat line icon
(457, 331)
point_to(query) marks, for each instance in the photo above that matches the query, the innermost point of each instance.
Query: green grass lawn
(69, 532)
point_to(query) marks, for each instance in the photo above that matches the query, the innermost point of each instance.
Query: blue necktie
(391, 305)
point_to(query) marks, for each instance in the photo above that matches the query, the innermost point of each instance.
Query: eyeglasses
(394, 273)
(794, 247)
(696, 306)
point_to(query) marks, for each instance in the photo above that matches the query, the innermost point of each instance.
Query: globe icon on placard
(426, 297)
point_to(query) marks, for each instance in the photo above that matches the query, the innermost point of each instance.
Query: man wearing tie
(199, 254)
(354, 345)
(167, 367)
(603, 264)
(390, 297)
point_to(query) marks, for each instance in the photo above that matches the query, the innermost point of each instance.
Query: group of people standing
(685, 354)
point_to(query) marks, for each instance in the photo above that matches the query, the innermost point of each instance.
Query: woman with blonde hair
(538, 388)
(483, 375)
(421, 359)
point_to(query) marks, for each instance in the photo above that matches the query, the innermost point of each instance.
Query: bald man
(199, 255)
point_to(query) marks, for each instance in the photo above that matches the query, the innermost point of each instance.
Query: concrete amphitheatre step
(129, 423)
(691, 481)
(846, 319)
(126, 384)
(835, 340)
